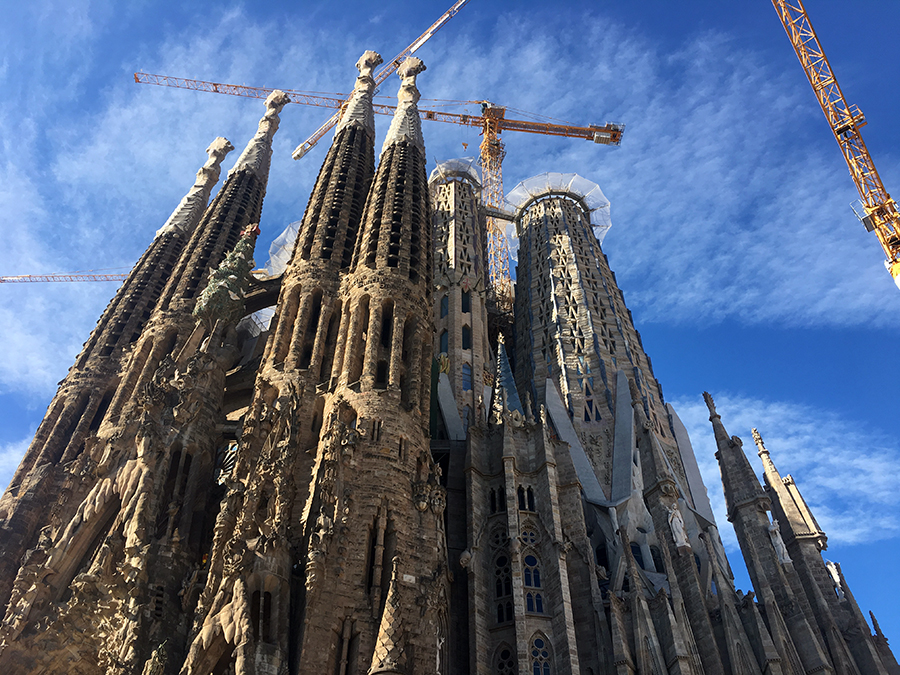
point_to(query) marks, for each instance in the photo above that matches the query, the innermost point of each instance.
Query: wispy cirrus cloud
(846, 475)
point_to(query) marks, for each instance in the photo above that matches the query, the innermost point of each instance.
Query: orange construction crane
(879, 212)
(27, 278)
(492, 122)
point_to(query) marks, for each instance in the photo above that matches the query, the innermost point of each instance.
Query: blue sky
(732, 237)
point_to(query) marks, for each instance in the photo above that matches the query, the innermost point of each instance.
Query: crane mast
(880, 213)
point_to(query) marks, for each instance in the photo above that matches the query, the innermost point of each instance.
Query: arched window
(532, 572)
(521, 493)
(502, 577)
(466, 337)
(534, 603)
(445, 306)
(467, 377)
(493, 501)
(529, 493)
(540, 656)
(445, 342)
(638, 554)
(503, 588)
(466, 302)
(505, 661)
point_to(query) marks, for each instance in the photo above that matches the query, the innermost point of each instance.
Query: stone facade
(391, 478)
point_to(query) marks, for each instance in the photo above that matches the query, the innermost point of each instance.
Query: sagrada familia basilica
(391, 477)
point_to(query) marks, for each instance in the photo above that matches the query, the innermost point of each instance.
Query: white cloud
(718, 210)
(847, 476)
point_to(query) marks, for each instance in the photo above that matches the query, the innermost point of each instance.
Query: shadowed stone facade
(391, 479)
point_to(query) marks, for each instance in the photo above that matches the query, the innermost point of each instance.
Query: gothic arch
(504, 661)
(540, 655)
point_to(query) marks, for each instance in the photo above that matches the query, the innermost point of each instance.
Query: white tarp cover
(463, 167)
(281, 249)
(565, 183)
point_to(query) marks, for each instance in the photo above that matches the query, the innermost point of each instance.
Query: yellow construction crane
(879, 212)
(492, 122)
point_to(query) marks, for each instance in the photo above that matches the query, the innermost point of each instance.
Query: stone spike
(359, 107)
(763, 452)
(388, 654)
(875, 624)
(257, 156)
(188, 213)
(406, 124)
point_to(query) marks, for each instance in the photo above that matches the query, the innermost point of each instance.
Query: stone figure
(780, 549)
(676, 524)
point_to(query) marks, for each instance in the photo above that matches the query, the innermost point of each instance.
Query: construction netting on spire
(462, 167)
(568, 184)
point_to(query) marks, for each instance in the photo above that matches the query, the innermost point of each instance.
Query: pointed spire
(505, 399)
(388, 654)
(406, 125)
(359, 107)
(875, 625)
(258, 153)
(738, 478)
(718, 427)
(188, 213)
(763, 453)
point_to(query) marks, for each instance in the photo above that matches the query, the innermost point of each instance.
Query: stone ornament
(676, 524)
(780, 549)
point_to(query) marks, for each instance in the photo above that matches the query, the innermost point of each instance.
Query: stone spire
(407, 125)
(359, 108)
(388, 656)
(188, 213)
(258, 153)
(505, 397)
(788, 504)
(738, 479)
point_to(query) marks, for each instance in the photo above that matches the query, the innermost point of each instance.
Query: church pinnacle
(406, 124)
(258, 153)
(188, 213)
(359, 107)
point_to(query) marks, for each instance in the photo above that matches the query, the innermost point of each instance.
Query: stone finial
(258, 153)
(189, 211)
(359, 107)
(406, 124)
(710, 404)
(368, 62)
(875, 625)
(757, 438)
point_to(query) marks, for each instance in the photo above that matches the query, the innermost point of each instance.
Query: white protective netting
(281, 249)
(462, 167)
(571, 184)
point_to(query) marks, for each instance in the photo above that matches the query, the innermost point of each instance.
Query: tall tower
(86, 392)
(329, 554)
(101, 588)
(461, 344)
